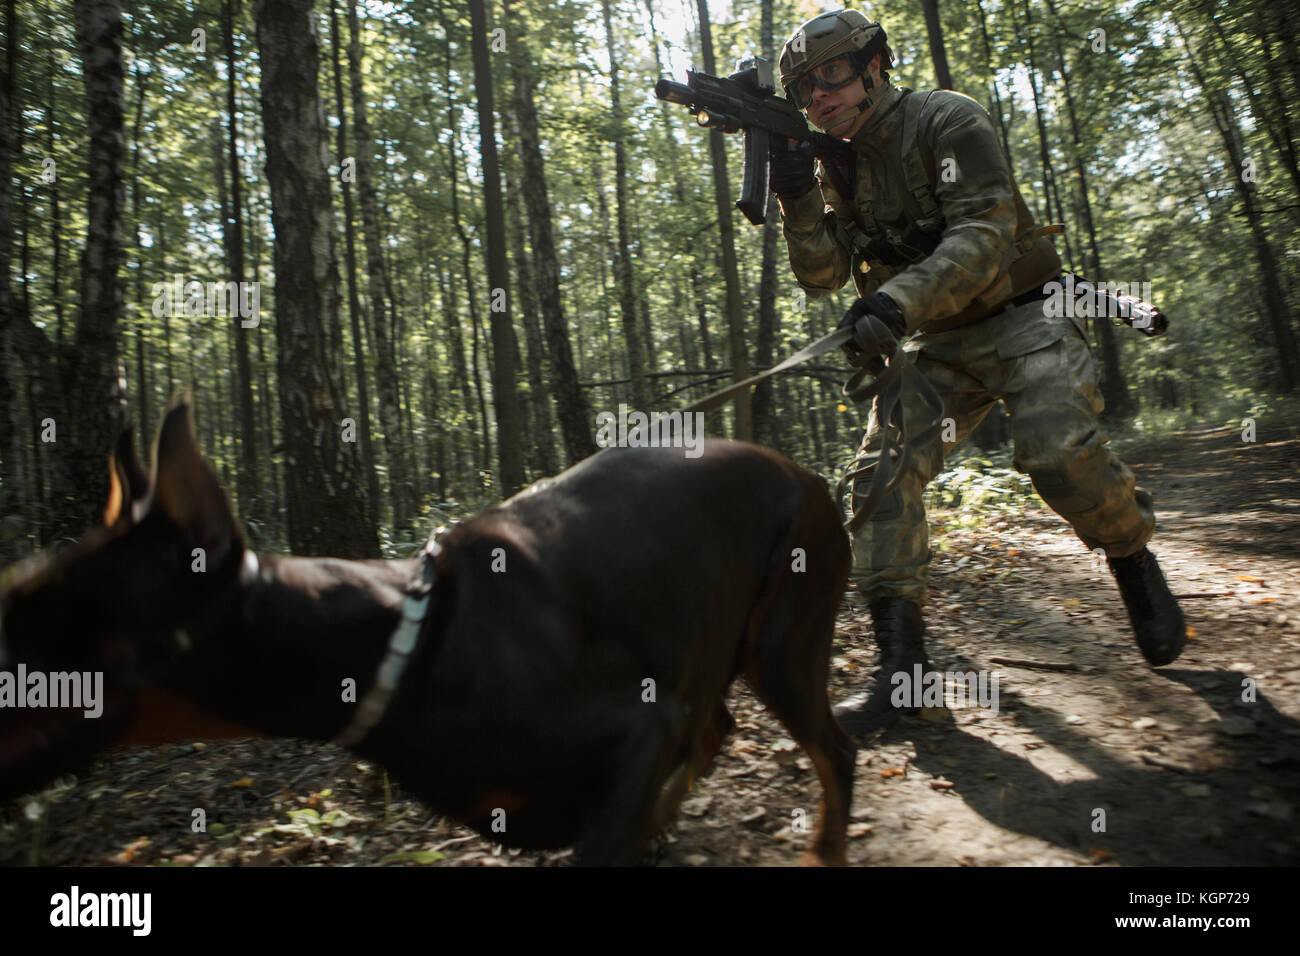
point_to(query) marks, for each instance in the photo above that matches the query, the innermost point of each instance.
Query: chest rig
(884, 250)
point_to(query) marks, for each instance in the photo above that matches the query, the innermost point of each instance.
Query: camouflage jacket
(940, 227)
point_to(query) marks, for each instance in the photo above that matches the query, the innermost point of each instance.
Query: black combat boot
(899, 631)
(1157, 619)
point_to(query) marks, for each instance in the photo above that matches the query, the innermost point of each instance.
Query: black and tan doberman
(557, 665)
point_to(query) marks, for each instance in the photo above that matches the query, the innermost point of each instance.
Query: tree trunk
(11, 452)
(540, 445)
(355, 314)
(248, 482)
(1114, 387)
(505, 400)
(996, 103)
(623, 274)
(466, 244)
(764, 422)
(934, 30)
(95, 404)
(572, 407)
(731, 274)
(324, 477)
(1278, 315)
(395, 441)
(140, 309)
(56, 219)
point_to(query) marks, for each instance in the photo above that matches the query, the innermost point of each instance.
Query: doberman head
(109, 614)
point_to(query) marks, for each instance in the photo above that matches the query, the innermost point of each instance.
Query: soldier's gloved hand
(866, 335)
(790, 172)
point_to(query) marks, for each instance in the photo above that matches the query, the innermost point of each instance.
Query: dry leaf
(1248, 577)
(1070, 603)
(245, 782)
(892, 772)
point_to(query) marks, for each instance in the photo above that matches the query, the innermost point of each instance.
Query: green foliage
(1162, 191)
(976, 488)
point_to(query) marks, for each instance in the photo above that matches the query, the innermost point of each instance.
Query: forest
(460, 232)
(384, 264)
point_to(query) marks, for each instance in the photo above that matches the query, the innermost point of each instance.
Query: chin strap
(868, 103)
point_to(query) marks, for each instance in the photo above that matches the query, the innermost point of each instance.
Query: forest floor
(1101, 761)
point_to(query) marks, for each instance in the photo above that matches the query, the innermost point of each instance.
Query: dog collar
(401, 645)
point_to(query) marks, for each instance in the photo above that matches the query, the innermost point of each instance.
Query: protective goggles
(832, 75)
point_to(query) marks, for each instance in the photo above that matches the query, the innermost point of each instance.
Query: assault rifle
(747, 101)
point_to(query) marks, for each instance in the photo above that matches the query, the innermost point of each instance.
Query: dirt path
(1185, 771)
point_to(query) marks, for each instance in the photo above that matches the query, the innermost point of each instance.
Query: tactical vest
(885, 251)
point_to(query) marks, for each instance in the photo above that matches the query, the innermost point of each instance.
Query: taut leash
(890, 462)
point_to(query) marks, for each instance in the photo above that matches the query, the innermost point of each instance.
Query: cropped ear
(187, 489)
(127, 482)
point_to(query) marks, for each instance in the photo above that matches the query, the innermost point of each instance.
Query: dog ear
(127, 482)
(186, 488)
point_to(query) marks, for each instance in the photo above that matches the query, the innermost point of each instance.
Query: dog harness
(401, 645)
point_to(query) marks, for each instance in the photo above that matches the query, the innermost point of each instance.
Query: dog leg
(787, 662)
(621, 822)
(708, 742)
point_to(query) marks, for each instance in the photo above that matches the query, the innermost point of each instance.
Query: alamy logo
(34, 689)
(102, 909)
(242, 299)
(953, 689)
(658, 430)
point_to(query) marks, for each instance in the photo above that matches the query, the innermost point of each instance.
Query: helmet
(824, 38)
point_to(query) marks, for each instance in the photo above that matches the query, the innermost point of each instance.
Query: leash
(401, 645)
(888, 465)
(826, 343)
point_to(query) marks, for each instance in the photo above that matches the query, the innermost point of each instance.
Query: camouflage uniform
(972, 343)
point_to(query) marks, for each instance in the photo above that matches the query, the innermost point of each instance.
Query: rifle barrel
(678, 93)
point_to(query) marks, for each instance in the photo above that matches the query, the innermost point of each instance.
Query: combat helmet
(846, 34)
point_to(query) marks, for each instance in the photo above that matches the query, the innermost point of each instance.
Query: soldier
(928, 221)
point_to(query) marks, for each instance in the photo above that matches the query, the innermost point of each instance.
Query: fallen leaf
(859, 830)
(1097, 854)
(1070, 603)
(245, 782)
(1248, 577)
(892, 772)
(1191, 633)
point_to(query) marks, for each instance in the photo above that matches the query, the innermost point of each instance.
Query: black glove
(790, 172)
(866, 342)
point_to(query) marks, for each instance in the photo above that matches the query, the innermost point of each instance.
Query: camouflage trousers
(1043, 369)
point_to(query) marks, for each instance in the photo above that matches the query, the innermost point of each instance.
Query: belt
(961, 320)
(1033, 295)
